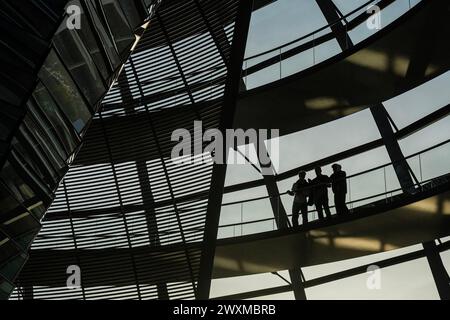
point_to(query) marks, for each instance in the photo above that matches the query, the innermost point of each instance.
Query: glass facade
(123, 194)
(280, 44)
(87, 177)
(72, 77)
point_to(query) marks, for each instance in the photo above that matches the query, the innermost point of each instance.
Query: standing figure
(320, 185)
(301, 191)
(339, 187)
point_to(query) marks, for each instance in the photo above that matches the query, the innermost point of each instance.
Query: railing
(255, 215)
(379, 183)
(319, 45)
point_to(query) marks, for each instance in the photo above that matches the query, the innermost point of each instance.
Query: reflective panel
(65, 131)
(62, 88)
(105, 37)
(76, 58)
(118, 24)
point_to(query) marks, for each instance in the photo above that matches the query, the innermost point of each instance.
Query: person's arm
(292, 191)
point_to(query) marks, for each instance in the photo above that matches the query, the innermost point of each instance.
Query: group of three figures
(315, 192)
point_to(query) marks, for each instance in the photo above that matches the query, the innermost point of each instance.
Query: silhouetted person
(320, 185)
(339, 187)
(301, 191)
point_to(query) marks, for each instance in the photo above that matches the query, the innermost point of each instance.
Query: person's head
(318, 171)
(302, 175)
(336, 167)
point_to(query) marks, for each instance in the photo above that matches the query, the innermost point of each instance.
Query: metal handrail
(350, 202)
(343, 18)
(350, 176)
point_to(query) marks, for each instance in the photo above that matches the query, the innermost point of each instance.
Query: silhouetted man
(320, 185)
(300, 190)
(339, 187)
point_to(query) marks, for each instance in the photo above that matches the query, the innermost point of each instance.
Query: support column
(219, 170)
(440, 275)
(144, 183)
(330, 11)
(223, 45)
(401, 166)
(280, 215)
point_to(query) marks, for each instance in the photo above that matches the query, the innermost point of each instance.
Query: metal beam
(169, 184)
(218, 34)
(438, 271)
(339, 30)
(122, 213)
(280, 215)
(144, 183)
(219, 170)
(401, 166)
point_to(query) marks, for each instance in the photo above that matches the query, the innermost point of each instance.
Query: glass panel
(241, 284)
(325, 50)
(7, 248)
(280, 22)
(38, 156)
(37, 208)
(263, 76)
(367, 184)
(10, 269)
(78, 61)
(23, 153)
(249, 193)
(16, 185)
(131, 12)
(393, 11)
(276, 25)
(392, 183)
(104, 36)
(96, 52)
(63, 89)
(55, 116)
(48, 130)
(301, 61)
(347, 6)
(234, 218)
(7, 202)
(240, 170)
(24, 241)
(310, 145)
(420, 101)
(117, 21)
(257, 210)
(20, 224)
(45, 144)
(435, 163)
(234, 213)
(30, 177)
(429, 136)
